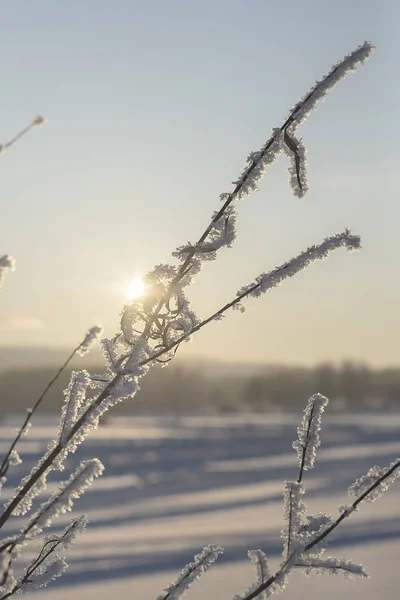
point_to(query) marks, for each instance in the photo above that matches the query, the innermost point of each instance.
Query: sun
(135, 289)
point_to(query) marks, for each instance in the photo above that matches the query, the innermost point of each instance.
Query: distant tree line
(350, 386)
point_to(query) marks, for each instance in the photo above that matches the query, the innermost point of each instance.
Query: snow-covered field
(174, 484)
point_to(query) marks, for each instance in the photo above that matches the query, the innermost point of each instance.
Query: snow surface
(175, 484)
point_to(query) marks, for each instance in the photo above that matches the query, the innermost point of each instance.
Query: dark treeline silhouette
(200, 389)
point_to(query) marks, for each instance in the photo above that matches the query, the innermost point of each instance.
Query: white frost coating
(90, 339)
(67, 538)
(39, 486)
(70, 446)
(260, 563)
(362, 485)
(314, 526)
(43, 574)
(223, 231)
(190, 573)
(62, 500)
(75, 396)
(331, 565)
(308, 438)
(42, 567)
(14, 459)
(294, 511)
(347, 509)
(296, 152)
(322, 87)
(266, 281)
(257, 165)
(222, 234)
(7, 263)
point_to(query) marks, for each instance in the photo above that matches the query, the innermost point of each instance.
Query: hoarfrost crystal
(266, 281)
(308, 438)
(294, 510)
(384, 475)
(90, 339)
(331, 565)
(190, 573)
(260, 563)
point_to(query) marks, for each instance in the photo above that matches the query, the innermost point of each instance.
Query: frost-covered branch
(370, 492)
(202, 562)
(308, 433)
(48, 564)
(305, 536)
(294, 511)
(261, 568)
(37, 121)
(331, 566)
(59, 503)
(264, 283)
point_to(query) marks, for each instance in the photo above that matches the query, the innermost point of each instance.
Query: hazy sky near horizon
(152, 109)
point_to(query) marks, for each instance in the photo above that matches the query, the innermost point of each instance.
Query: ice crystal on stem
(90, 339)
(202, 562)
(321, 88)
(308, 438)
(377, 480)
(260, 563)
(49, 564)
(75, 395)
(331, 565)
(294, 510)
(274, 278)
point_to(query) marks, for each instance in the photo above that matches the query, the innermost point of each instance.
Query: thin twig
(353, 507)
(303, 457)
(230, 198)
(325, 533)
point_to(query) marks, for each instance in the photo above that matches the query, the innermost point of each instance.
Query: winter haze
(152, 109)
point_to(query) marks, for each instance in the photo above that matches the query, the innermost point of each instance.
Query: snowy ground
(173, 485)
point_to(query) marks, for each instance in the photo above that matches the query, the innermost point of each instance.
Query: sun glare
(135, 289)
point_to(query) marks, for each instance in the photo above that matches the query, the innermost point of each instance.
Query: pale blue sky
(153, 107)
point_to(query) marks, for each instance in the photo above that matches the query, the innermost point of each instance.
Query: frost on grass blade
(267, 281)
(62, 500)
(260, 563)
(49, 564)
(313, 527)
(296, 152)
(294, 511)
(75, 396)
(50, 569)
(321, 88)
(222, 234)
(308, 438)
(257, 165)
(331, 565)
(377, 480)
(190, 573)
(90, 339)
(14, 458)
